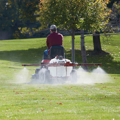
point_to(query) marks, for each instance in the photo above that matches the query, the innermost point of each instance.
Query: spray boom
(62, 64)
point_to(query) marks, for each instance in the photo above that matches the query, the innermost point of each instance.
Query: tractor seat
(56, 50)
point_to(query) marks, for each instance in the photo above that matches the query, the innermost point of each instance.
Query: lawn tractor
(56, 69)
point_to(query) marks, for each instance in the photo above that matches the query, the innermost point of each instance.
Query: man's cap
(53, 27)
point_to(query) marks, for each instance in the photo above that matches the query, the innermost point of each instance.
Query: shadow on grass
(29, 56)
(34, 56)
(108, 63)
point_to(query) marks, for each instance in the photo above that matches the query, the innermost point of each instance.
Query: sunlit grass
(55, 102)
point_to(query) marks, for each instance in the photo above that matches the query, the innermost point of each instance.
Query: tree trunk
(96, 42)
(73, 49)
(83, 51)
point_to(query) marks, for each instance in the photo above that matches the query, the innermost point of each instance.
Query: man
(52, 40)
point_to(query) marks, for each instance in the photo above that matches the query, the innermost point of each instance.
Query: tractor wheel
(44, 76)
(73, 76)
(35, 77)
(37, 70)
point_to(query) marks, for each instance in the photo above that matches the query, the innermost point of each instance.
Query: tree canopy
(8, 14)
(27, 9)
(90, 15)
(15, 14)
(75, 14)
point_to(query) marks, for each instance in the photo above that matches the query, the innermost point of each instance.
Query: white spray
(98, 75)
(22, 76)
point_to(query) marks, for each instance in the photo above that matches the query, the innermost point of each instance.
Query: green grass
(100, 101)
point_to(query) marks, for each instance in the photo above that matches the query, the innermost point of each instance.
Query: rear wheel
(35, 77)
(44, 76)
(37, 70)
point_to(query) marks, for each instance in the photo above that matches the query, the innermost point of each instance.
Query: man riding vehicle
(54, 39)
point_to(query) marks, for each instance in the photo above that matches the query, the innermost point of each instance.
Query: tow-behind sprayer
(56, 69)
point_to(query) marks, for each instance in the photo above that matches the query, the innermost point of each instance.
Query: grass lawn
(18, 101)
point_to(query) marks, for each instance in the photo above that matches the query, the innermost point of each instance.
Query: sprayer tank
(60, 71)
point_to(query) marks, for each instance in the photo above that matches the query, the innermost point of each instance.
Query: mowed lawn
(19, 101)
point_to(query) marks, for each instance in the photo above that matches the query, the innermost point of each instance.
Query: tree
(114, 23)
(27, 9)
(15, 13)
(110, 27)
(96, 42)
(115, 14)
(83, 51)
(74, 14)
(8, 14)
(27, 15)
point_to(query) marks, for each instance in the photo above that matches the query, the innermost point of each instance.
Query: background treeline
(17, 14)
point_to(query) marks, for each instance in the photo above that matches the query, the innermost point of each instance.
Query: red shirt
(54, 39)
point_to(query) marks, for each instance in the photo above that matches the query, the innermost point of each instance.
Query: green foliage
(75, 14)
(117, 8)
(27, 9)
(17, 13)
(114, 18)
(8, 14)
